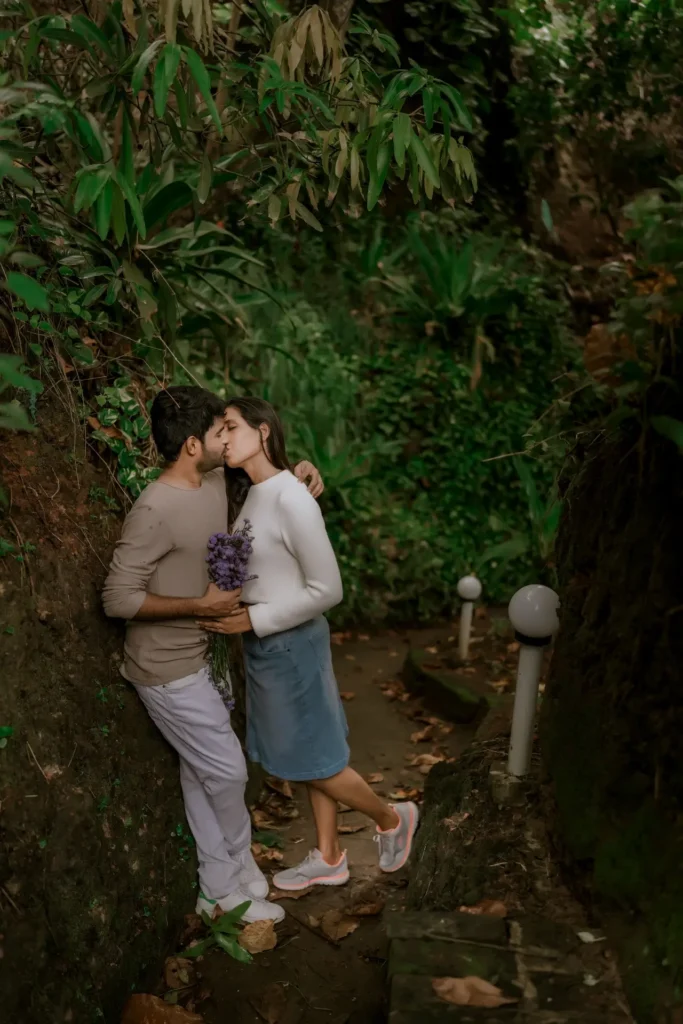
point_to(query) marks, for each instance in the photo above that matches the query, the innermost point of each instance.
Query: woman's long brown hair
(255, 411)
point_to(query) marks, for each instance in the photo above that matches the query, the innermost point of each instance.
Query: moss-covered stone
(443, 690)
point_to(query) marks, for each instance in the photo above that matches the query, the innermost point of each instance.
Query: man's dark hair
(181, 412)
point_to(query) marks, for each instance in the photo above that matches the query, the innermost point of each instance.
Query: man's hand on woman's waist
(213, 604)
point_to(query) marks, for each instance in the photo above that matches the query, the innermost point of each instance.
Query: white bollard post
(469, 589)
(533, 614)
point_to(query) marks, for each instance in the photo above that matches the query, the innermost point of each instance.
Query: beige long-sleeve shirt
(162, 550)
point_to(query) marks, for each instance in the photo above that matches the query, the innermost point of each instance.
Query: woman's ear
(264, 431)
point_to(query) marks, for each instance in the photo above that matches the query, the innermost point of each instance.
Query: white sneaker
(395, 844)
(252, 879)
(313, 870)
(258, 910)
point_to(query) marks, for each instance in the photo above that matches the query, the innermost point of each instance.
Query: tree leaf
(90, 184)
(166, 201)
(32, 294)
(164, 76)
(133, 202)
(316, 35)
(547, 217)
(670, 428)
(203, 81)
(429, 104)
(459, 106)
(145, 60)
(379, 175)
(205, 179)
(13, 416)
(402, 128)
(424, 159)
(231, 947)
(308, 217)
(118, 214)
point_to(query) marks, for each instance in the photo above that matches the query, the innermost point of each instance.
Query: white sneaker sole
(203, 906)
(340, 879)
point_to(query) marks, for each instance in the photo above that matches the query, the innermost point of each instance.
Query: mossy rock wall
(613, 713)
(96, 866)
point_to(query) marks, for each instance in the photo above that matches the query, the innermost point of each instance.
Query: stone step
(531, 960)
(444, 689)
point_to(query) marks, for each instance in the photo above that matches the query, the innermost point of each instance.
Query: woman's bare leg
(349, 788)
(324, 809)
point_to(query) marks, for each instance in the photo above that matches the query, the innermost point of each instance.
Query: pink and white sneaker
(313, 870)
(395, 844)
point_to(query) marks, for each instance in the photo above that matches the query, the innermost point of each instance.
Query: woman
(296, 727)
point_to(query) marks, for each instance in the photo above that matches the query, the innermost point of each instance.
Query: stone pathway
(362, 953)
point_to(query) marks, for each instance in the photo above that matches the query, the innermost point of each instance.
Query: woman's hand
(306, 471)
(236, 622)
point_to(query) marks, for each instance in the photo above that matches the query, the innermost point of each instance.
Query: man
(158, 582)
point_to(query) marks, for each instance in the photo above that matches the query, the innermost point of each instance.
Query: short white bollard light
(469, 589)
(533, 614)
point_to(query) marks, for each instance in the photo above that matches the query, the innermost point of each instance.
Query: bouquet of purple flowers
(227, 559)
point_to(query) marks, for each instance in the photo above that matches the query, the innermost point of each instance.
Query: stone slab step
(531, 960)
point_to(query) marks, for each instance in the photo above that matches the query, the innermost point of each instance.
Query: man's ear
(193, 447)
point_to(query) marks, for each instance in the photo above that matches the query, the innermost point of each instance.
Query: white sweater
(298, 575)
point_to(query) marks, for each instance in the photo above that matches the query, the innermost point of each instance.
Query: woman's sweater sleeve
(305, 536)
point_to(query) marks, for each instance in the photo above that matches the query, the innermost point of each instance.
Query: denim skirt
(296, 726)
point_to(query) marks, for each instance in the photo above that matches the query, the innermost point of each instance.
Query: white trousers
(213, 773)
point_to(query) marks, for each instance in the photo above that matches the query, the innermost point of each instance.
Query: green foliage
(223, 932)
(373, 373)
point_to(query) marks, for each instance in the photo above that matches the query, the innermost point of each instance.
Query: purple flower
(228, 558)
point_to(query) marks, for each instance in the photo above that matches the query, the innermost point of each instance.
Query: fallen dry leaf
(261, 819)
(258, 937)
(192, 927)
(422, 735)
(432, 650)
(469, 991)
(347, 830)
(347, 695)
(369, 909)
(280, 894)
(429, 719)
(445, 730)
(513, 648)
(284, 811)
(406, 794)
(350, 657)
(490, 908)
(424, 759)
(265, 853)
(272, 1004)
(339, 638)
(146, 1009)
(456, 821)
(363, 636)
(500, 685)
(280, 786)
(336, 925)
(374, 777)
(179, 972)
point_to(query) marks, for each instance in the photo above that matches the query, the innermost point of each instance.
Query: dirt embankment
(95, 860)
(613, 713)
